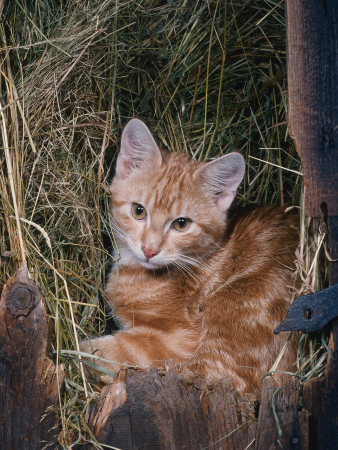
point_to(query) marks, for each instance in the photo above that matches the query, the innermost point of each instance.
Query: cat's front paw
(95, 367)
(86, 347)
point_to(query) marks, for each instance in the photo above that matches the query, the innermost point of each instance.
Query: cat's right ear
(138, 149)
(221, 178)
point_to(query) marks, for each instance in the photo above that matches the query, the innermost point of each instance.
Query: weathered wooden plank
(320, 397)
(312, 61)
(301, 417)
(162, 410)
(283, 423)
(28, 379)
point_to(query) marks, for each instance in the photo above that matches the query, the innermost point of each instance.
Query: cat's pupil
(139, 210)
(181, 222)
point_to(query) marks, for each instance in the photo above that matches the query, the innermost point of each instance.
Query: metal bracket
(311, 312)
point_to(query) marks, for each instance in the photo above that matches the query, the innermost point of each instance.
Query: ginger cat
(192, 284)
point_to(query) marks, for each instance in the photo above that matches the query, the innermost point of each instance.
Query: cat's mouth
(150, 263)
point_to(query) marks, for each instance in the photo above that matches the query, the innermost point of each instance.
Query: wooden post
(161, 409)
(282, 424)
(312, 70)
(28, 379)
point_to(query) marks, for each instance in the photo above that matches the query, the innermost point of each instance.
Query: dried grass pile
(207, 77)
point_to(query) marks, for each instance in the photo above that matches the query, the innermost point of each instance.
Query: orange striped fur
(209, 296)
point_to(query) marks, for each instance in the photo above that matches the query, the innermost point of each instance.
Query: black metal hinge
(311, 312)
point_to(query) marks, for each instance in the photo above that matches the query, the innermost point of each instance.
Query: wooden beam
(312, 71)
(28, 378)
(161, 409)
(282, 424)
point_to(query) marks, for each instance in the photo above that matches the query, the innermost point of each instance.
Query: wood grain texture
(300, 417)
(28, 379)
(157, 409)
(283, 423)
(312, 60)
(320, 396)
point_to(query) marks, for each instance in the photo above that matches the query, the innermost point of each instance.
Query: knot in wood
(22, 297)
(21, 301)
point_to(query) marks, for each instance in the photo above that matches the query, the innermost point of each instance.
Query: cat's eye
(138, 211)
(181, 224)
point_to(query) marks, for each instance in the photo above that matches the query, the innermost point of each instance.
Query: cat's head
(167, 208)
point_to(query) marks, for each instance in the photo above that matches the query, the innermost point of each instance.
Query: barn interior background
(207, 77)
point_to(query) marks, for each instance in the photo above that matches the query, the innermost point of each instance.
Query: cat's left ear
(221, 178)
(138, 149)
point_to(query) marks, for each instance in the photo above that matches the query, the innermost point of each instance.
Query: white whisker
(200, 264)
(195, 262)
(186, 270)
(118, 232)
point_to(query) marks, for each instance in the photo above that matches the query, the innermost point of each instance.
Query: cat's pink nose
(149, 251)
